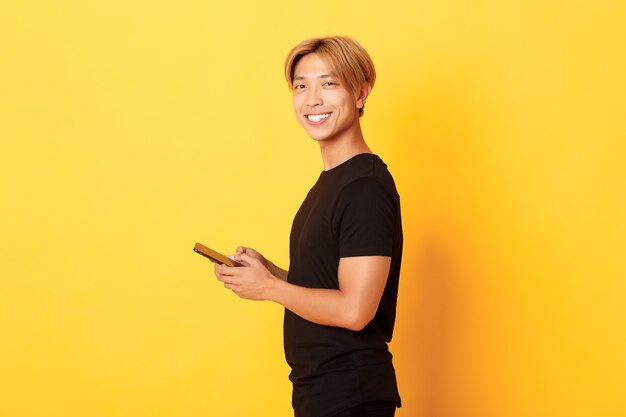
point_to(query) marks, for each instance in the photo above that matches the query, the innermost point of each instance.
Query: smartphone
(214, 256)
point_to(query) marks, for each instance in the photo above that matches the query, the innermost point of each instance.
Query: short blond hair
(347, 57)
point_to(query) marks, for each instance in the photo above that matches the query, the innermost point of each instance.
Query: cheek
(341, 99)
(296, 112)
(297, 103)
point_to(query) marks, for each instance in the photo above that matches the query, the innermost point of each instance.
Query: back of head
(346, 56)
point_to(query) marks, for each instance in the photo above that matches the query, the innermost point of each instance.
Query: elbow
(357, 326)
(358, 320)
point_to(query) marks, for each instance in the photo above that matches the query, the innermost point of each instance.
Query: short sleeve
(365, 218)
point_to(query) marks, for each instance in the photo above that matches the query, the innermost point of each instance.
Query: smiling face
(323, 105)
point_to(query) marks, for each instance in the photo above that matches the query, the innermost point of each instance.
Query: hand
(253, 254)
(252, 281)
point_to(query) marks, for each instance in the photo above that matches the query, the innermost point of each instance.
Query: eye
(298, 86)
(329, 83)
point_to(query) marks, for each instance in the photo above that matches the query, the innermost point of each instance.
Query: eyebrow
(300, 77)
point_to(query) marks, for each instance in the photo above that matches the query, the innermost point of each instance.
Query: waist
(312, 349)
(332, 392)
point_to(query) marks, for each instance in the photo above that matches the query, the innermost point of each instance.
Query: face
(324, 106)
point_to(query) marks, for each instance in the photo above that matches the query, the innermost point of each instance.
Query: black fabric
(371, 409)
(352, 210)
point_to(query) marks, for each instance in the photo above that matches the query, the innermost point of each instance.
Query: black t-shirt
(352, 210)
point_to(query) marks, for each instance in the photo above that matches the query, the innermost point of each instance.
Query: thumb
(245, 258)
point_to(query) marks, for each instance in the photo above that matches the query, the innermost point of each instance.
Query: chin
(314, 135)
(319, 138)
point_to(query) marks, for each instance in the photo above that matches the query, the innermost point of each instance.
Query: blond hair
(347, 57)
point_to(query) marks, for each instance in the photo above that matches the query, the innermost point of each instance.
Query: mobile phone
(214, 256)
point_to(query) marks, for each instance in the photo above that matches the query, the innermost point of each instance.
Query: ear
(363, 93)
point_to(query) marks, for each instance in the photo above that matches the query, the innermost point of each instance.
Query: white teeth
(318, 117)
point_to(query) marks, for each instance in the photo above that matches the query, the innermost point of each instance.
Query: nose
(314, 98)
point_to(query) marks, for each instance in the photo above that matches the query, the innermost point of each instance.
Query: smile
(318, 118)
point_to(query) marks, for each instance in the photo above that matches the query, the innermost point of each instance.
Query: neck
(339, 150)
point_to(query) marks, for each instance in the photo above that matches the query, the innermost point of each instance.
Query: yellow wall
(131, 130)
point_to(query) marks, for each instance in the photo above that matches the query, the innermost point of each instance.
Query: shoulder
(376, 182)
(366, 217)
(365, 179)
(368, 197)
(368, 185)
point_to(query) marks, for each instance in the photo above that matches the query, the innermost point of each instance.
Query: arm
(362, 280)
(278, 272)
(361, 283)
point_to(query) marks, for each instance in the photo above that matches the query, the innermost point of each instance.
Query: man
(345, 247)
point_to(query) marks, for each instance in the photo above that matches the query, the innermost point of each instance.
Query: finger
(217, 271)
(235, 255)
(223, 269)
(239, 258)
(223, 274)
(235, 289)
(226, 279)
(245, 251)
(247, 259)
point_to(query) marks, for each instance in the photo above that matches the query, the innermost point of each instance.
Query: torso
(335, 368)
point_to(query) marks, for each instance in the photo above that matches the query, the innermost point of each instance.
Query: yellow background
(132, 129)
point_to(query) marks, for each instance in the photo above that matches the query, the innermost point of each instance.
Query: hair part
(346, 56)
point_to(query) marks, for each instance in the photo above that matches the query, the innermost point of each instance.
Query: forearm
(277, 271)
(322, 306)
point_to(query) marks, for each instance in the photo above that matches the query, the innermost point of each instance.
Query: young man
(345, 247)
